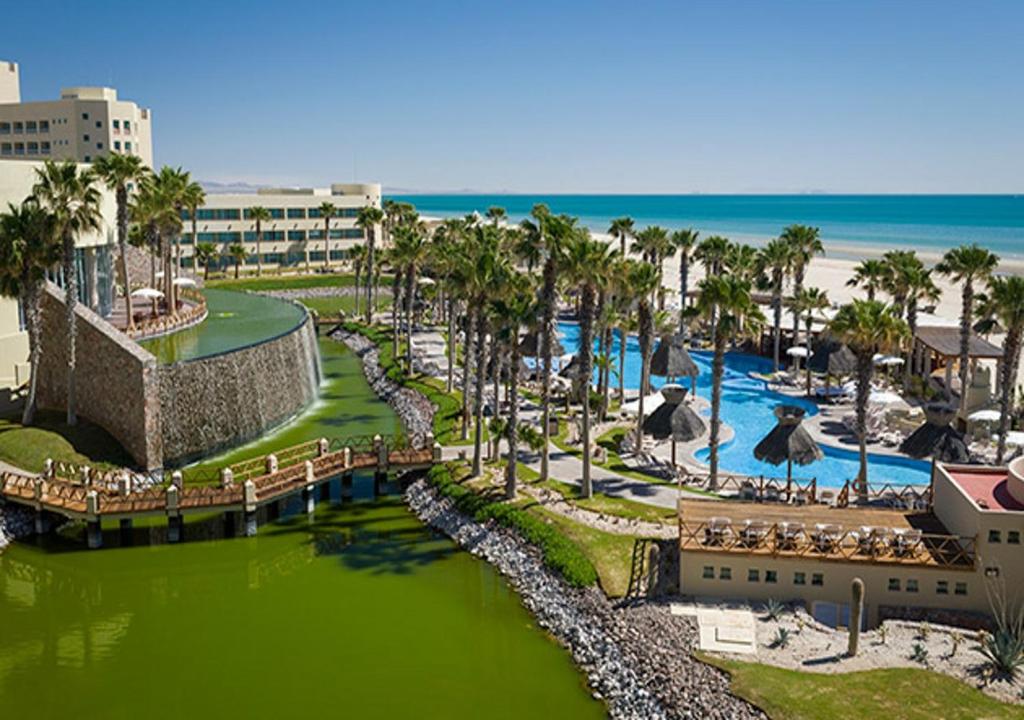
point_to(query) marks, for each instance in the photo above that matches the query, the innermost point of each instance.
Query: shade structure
(886, 360)
(674, 419)
(788, 442)
(530, 345)
(184, 282)
(798, 351)
(572, 370)
(147, 293)
(833, 358)
(936, 438)
(672, 359)
(984, 416)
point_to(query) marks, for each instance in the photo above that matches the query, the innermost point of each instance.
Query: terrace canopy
(674, 419)
(788, 442)
(833, 358)
(936, 438)
(671, 359)
(941, 345)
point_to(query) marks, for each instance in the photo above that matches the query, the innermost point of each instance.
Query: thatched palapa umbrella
(832, 358)
(672, 360)
(674, 419)
(937, 438)
(788, 442)
(530, 346)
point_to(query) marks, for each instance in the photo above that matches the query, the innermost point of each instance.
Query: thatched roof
(936, 437)
(530, 345)
(674, 418)
(788, 440)
(571, 371)
(671, 358)
(945, 341)
(834, 358)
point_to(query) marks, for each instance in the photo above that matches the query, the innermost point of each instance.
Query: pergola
(941, 346)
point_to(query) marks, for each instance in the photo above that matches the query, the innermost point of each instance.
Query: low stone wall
(116, 381)
(216, 402)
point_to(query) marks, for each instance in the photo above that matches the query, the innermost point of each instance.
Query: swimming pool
(748, 407)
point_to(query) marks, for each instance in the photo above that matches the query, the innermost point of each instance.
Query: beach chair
(788, 534)
(754, 533)
(905, 542)
(717, 531)
(825, 537)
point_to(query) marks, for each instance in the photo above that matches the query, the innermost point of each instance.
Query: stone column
(251, 524)
(174, 521)
(91, 278)
(93, 530)
(309, 493)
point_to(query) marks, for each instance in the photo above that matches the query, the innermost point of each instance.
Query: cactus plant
(883, 633)
(919, 654)
(856, 613)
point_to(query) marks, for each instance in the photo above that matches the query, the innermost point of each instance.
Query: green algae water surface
(359, 613)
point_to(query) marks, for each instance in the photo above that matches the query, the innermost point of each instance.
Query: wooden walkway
(243, 487)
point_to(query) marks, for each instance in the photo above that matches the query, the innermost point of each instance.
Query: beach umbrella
(184, 281)
(936, 438)
(147, 293)
(798, 351)
(886, 360)
(530, 346)
(883, 397)
(984, 416)
(833, 358)
(671, 359)
(425, 281)
(651, 403)
(788, 442)
(674, 419)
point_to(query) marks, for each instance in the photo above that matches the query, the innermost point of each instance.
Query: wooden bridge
(241, 488)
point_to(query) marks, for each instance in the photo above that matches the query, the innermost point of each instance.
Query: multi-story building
(295, 233)
(96, 276)
(85, 123)
(941, 562)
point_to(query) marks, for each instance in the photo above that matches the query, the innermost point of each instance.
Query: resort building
(96, 274)
(294, 235)
(932, 563)
(85, 123)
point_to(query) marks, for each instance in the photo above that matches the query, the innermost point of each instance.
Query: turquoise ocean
(927, 223)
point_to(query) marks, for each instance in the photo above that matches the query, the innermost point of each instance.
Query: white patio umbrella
(883, 397)
(147, 293)
(184, 281)
(798, 351)
(425, 281)
(887, 360)
(651, 402)
(984, 416)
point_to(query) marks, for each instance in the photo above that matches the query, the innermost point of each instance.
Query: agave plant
(1004, 652)
(774, 609)
(919, 654)
(781, 638)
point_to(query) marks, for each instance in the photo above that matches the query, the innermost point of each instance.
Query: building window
(85, 116)
(6, 149)
(19, 128)
(995, 536)
(912, 585)
(117, 144)
(30, 127)
(1013, 537)
(87, 158)
(99, 123)
(709, 572)
(44, 126)
(725, 573)
(99, 146)
(942, 587)
(5, 128)
(297, 235)
(33, 148)
(817, 579)
(127, 126)
(128, 147)
(771, 576)
(19, 148)
(85, 138)
(116, 124)
(799, 578)
(296, 213)
(960, 588)
(894, 584)
(753, 575)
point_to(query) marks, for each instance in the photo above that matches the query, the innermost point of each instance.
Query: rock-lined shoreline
(637, 659)
(15, 522)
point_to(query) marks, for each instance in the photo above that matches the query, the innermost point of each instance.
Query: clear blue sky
(557, 96)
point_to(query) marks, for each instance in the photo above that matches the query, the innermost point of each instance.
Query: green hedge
(560, 553)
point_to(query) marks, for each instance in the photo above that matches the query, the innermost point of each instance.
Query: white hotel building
(295, 230)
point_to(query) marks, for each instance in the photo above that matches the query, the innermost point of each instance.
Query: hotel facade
(84, 124)
(294, 234)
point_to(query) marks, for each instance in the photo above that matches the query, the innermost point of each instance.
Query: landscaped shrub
(560, 553)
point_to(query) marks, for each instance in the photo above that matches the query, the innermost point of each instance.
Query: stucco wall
(220, 401)
(117, 382)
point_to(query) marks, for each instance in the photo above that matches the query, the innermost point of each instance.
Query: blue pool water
(748, 408)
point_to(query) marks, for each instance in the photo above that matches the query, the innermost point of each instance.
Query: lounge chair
(718, 530)
(825, 537)
(787, 534)
(754, 533)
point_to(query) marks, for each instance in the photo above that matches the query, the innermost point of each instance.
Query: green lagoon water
(235, 319)
(360, 613)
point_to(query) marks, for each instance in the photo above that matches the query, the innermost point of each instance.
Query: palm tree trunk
(776, 327)
(478, 399)
(908, 366)
(798, 285)
(451, 345)
(807, 360)
(369, 275)
(547, 330)
(195, 241)
(717, 371)
(410, 287)
(496, 381)
(395, 332)
(259, 253)
(1007, 387)
(512, 426)
(864, 370)
(622, 365)
(607, 370)
(469, 323)
(966, 314)
(357, 269)
(70, 300)
(30, 302)
(684, 288)
(586, 365)
(646, 332)
(327, 242)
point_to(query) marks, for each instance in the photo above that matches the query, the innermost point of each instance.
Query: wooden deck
(820, 532)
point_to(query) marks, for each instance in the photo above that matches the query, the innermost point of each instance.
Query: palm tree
(28, 248)
(900, 266)
(259, 215)
(551, 232)
(328, 211)
(167, 190)
(806, 243)
(237, 252)
(653, 245)
(775, 260)
(643, 279)
(205, 252)
(496, 214)
(870, 275)
(357, 254)
(621, 228)
(71, 197)
(711, 253)
(193, 197)
(920, 288)
(866, 327)
(1005, 303)
(806, 303)
(685, 242)
(118, 172)
(967, 265)
(408, 251)
(742, 261)
(728, 299)
(368, 219)
(587, 264)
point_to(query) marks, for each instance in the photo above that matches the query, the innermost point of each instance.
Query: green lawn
(330, 306)
(82, 444)
(898, 694)
(607, 504)
(293, 282)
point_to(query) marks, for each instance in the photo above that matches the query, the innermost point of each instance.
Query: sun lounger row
(824, 538)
